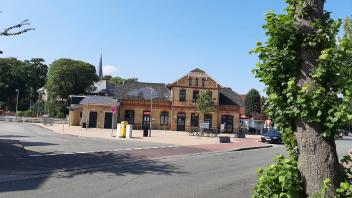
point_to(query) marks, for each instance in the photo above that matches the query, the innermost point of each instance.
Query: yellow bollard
(123, 129)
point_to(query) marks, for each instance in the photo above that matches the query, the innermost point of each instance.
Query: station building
(169, 106)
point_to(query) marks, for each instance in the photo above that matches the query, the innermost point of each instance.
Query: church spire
(100, 74)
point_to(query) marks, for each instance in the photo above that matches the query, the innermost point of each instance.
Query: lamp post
(18, 91)
(151, 108)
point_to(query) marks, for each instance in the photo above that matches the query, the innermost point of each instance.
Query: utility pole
(18, 91)
(151, 108)
(87, 113)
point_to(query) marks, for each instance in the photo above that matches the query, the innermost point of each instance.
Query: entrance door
(93, 119)
(228, 121)
(208, 118)
(181, 122)
(146, 118)
(108, 120)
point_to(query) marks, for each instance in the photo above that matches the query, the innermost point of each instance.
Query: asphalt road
(39, 140)
(230, 174)
(114, 174)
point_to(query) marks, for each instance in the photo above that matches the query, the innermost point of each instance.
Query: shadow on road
(68, 166)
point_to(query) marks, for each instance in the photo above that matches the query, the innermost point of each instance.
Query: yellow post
(123, 129)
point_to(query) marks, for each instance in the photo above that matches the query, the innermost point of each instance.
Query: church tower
(100, 69)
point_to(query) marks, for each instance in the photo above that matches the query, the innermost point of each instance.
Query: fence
(49, 121)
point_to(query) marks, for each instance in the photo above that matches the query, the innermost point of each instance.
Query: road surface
(128, 174)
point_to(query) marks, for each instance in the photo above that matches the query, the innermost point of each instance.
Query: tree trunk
(317, 158)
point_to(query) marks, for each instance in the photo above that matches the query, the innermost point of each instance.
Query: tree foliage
(322, 99)
(26, 76)
(252, 102)
(317, 102)
(69, 77)
(118, 80)
(205, 102)
(348, 28)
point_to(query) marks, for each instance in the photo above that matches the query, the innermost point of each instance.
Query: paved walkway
(158, 136)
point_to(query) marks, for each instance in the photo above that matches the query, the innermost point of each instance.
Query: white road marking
(101, 151)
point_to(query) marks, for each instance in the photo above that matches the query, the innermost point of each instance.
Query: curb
(214, 152)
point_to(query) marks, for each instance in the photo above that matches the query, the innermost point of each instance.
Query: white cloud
(111, 70)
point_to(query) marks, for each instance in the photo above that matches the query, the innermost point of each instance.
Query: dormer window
(190, 81)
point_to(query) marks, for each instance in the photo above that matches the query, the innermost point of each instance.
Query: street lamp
(151, 107)
(18, 91)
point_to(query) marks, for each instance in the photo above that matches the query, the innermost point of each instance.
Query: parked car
(272, 136)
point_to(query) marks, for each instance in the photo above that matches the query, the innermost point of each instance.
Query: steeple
(100, 73)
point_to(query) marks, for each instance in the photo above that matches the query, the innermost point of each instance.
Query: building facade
(173, 106)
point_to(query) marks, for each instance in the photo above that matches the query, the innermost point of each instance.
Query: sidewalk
(158, 136)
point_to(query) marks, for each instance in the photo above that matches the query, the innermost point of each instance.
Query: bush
(281, 179)
(28, 113)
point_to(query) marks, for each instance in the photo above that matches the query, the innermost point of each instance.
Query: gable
(196, 77)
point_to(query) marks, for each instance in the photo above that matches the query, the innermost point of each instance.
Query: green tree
(252, 103)
(205, 102)
(36, 76)
(119, 81)
(305, 75)
(69, 77)
(348, 28)
(12, 77)
(107, 77)
(26, 76)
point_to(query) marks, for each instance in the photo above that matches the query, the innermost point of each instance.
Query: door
(181, 122)
(228, 121)
(208, 118)
(146, 119)
(93, 119)
(108, 120)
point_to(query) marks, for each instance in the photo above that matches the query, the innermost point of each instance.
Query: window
(190, 81)
(210, 93)
(129, 116)
(197, 82)
(164, 118)
(203, 82)
(208, 118)
(182, 95)
(195, 96)
(194, 120)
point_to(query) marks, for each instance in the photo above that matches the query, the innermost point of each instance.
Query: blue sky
(153, 40)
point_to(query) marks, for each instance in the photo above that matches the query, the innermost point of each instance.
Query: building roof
(198, 70)
(100, 100)
(142, 91)
(229, 97)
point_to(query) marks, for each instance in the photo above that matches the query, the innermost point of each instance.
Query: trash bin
(123, 129)
(129, 131)
(145, 130)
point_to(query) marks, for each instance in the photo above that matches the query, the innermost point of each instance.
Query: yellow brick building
(169, 106)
